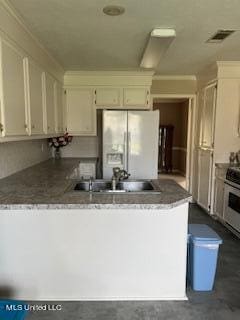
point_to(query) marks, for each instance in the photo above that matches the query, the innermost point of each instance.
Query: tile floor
(180, 179)
(223, 303)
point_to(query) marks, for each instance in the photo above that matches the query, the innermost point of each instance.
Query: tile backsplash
(85, 147)
(16, 156)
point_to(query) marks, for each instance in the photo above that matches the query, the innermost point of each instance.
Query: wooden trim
(191, 132)
(177, 77)
(24, 138)
(179, 149)
(173, 95)
(108, 73)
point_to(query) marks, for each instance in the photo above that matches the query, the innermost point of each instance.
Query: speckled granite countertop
(45, 186)
(226, 165)
(221, 170)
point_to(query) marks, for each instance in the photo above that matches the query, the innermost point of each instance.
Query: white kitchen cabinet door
(58, 107)
(208, 120)
(49, 103)
(107, 97)
(136, 98)
(81, 112)
(13, 99)
(35, 98)
(205, 163)
(219, 197)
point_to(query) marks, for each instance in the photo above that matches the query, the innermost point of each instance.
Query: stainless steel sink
(136, 186)
(97, 185)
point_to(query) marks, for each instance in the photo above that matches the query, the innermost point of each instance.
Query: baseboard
(174, 171)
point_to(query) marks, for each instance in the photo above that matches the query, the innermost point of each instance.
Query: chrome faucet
(90, 183)
(118, 174)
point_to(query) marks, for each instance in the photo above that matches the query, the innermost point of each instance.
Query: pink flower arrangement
(60, 142)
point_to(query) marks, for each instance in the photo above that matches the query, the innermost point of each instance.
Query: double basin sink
(134, 186)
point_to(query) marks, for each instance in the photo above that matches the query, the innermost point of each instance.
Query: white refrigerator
(130, 141)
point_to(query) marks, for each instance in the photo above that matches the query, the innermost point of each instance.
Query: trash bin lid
(202, 232)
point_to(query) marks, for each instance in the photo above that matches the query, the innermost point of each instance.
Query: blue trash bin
(12, 310)
(203, 255)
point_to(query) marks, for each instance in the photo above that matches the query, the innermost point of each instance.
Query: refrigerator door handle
(125, 152)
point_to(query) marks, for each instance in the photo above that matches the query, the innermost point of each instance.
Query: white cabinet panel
(49, 103)
(219, 197)
(35, 98)
(209, 116)
(13, 101)
(205, 162)
(81, 113)
(58, 107)
(136, 97)
(107, 97)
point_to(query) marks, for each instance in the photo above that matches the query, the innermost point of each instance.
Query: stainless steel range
(232, 198)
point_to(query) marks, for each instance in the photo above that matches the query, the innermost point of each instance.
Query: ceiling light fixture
(159, 41)
(113, 10)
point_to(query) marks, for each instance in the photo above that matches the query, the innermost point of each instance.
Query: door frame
(191, 130)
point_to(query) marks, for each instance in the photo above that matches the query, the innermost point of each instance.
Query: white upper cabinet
(208, 119)
(35, 98)
(81, 112)
(49, 103)
(128, 98)
(58, 107)
(13, 100)
(136, 97)
(105, 97)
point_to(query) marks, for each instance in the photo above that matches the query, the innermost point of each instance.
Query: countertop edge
(91, 206)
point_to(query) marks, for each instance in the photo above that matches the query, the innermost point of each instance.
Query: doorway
(175, 138)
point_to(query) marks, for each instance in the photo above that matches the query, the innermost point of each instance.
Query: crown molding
(16, 15)
(228, 63)
(108, 78)
(175, 77)
(112, 73)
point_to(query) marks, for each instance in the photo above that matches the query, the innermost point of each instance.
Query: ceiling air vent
(220, 35)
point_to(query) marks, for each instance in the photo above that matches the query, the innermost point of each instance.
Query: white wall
(16, 156)
(165, 85)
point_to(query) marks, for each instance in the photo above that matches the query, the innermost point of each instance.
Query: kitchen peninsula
(71, 245)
